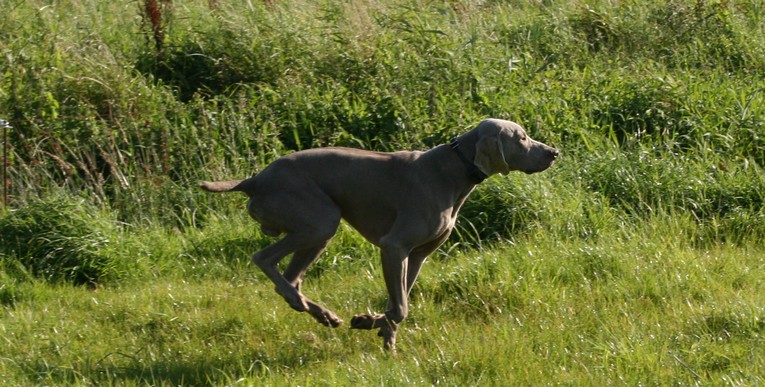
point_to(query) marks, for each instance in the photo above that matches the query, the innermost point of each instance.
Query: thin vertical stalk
(5, 126)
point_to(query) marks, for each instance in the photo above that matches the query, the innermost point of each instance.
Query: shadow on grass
(175, 369)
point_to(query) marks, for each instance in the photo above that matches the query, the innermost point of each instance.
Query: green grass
(637, 259)
(650, 309)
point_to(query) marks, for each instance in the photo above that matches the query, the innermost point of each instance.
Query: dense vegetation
(637, 258)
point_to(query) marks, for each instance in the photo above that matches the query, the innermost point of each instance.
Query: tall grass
(59, 239)
(99, 108)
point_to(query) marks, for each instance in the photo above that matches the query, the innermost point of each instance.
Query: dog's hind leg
(307, 232)
(294, 274)
(267, 259)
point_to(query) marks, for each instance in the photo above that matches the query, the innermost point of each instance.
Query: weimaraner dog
(406, 203)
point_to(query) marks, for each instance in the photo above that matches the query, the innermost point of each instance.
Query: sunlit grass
(648, 310)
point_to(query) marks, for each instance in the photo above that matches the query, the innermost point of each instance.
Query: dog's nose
(554, 153)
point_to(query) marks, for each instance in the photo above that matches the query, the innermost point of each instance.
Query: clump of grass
(12, 278)
(724, 197)
(501, 208)
(66, 239)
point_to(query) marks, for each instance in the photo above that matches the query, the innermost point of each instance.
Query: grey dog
(406, 203)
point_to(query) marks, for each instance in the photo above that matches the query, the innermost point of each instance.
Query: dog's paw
(387, 328)
(296, 302)
(333, 321)
(366, 321)
(388, 333)
(324, 316)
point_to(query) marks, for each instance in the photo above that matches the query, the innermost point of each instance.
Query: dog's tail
(221, 186)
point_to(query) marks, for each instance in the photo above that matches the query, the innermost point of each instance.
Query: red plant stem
(154, 12)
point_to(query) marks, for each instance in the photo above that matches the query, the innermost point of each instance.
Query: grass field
(638, 259)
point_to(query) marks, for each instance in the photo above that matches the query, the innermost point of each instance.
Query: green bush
(64, 239)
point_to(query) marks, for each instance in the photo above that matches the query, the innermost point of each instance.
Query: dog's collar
(475, 174)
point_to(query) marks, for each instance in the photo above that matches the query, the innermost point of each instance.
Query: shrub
(63, 239)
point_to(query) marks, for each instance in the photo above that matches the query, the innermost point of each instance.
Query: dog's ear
(489, 153)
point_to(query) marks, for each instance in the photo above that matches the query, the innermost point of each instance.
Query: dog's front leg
(394, 263)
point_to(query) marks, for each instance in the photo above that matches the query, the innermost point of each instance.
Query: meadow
(637, 259)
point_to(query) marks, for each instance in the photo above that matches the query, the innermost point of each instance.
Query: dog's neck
(475, 174)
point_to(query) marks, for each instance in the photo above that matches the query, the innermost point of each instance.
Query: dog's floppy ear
(489, 153)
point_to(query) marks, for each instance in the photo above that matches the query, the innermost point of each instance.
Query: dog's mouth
(532, 171)
(550, 158)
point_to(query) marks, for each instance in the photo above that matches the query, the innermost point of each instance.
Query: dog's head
(504, 146)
